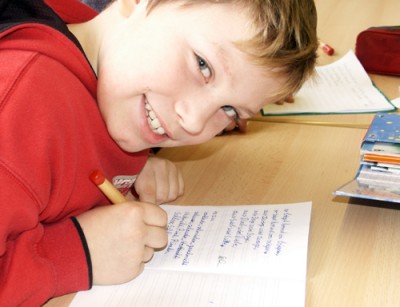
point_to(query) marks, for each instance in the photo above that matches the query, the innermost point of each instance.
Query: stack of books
(379, 174)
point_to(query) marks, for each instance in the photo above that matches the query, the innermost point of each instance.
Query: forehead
(219, 27)
(213, 30)
(225, 17)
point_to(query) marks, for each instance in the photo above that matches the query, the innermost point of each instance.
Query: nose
(194, 115)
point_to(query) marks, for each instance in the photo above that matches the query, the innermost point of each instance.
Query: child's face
(178, 67)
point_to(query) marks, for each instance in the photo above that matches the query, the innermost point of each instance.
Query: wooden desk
(339, 22)
(353, 249)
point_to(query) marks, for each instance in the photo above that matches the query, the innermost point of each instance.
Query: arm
(123, 237)
(37, 260)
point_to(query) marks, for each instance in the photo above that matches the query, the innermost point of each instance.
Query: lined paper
(221, 256)
(341, 87)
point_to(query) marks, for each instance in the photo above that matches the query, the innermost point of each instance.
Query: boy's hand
(288, 99)
(121, 238)
(160, 181)
(239, 125)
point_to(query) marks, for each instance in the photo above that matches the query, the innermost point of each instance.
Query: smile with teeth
(153, 120)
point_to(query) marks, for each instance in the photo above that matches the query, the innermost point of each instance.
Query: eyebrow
(223, 60)
(221, 56)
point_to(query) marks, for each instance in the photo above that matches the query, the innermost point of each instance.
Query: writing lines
(232, 239)
(252, 255)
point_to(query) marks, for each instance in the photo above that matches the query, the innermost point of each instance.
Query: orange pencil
(112, 193)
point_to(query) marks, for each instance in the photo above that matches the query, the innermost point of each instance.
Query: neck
(90, 34)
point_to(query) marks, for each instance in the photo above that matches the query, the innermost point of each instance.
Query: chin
(131, 147)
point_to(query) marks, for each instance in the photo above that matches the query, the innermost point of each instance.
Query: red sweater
(52, 137)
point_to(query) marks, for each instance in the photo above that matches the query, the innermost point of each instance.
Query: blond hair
(285, 36)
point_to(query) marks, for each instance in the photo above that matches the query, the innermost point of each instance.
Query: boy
(81, 92)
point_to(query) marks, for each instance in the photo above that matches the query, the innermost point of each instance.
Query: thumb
(146, 189)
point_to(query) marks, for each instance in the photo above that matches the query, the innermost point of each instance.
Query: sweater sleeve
(42, 254)
(48, 115)
(37, 260)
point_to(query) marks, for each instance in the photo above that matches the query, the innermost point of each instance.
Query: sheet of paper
(396, 102)
(221, 256)
(341, 87)
(177, 289)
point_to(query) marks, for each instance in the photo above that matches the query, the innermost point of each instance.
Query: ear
(127, 7)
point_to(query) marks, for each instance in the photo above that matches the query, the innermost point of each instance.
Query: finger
(242, 125)
(157, 237)
(231, 126)
(132, 195)
(139, 270)
(148, 195)
(289, 99)
(146, 187)
(147, 254)
(169, 182)
(165, 181)
(176, 184)
(181, 184)
(154, 215)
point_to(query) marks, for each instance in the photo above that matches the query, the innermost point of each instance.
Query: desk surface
(353, 255)
(353, 248)
(339, 22)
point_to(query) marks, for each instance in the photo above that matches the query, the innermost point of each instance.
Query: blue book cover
(385, 128)
(375, 181)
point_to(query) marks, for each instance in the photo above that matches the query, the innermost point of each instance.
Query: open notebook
(341, 87)
(252, 255)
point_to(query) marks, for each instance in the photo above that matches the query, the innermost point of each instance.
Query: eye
(204, 68)
(231, 112)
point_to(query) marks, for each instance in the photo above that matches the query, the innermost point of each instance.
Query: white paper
(396, 102)
(341, 87)
(221, 256)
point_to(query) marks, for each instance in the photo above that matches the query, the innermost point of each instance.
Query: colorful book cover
(378, 177)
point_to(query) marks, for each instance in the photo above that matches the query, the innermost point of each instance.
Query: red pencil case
(378, 49)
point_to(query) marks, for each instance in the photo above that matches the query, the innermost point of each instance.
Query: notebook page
(221, 256)
(341, 87)
(245, 240)
(181, 289)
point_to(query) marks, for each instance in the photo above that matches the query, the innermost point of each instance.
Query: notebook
(250, 255)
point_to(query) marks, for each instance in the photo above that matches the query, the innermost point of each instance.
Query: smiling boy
(81, 91)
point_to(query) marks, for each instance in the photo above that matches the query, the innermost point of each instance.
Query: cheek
(212, 127)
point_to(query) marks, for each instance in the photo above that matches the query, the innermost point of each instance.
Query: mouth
(153, 121)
